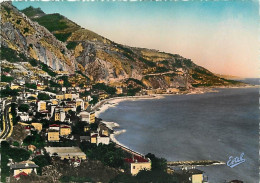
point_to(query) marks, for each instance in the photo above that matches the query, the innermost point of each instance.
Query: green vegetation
(33, 62)
(5, 170)
(31, 98)
(47, 69)
(7, 79)
(25, 30)
(145, 176)
(30, 11)
(10, 55)
(66, 82)
(71, 45)
(188, 62)
(79, 72)
(133, 91)
(75, 179)
(15, 143)
(108, 154)
(177, 64)
(62, 36)
(50, 90)
(43, 96)
(41, 161)
(149, 63)
(7, 9)
(9, 92)
(78, 128)
(161, 69)
(94, 100)
(53, 22)
(14, 113)
(136, 81)
(31, 85)
(102, 86)
(53, 84)
(24, 108)
(34, 139)
(7, 152)
(157, 163)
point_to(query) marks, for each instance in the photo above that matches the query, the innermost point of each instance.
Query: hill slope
(103, 60)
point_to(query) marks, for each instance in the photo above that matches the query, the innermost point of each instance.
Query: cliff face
(19, 33)
(64, 45)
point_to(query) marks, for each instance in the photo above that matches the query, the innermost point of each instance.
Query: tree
(157, 163)
(24, 108)
(41, 161)
(15, 143)
(43, 96)
(94, 100)
(19, 154)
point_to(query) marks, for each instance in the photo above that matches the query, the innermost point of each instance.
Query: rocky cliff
(25, 36)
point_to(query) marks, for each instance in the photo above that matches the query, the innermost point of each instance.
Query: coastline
(103, 105)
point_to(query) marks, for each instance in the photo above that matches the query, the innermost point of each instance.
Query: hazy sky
(220, 36)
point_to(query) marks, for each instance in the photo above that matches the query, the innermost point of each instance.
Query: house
(54, 127)
(93, 138)
(54, 101)
(103, 129)
(59, 114)
(41, 106)
(66, 152)
(60, 81)
(53, 136)
(24, 116)
(25, 166)
(37, 126)
(65, 130)
(103, 139)
(60, 96)
(88, 117)
(84, 138)
(191, 175)
(41, 87)
(17, 177)
(15, 86)
(80, 102)
(68, 96)
(137, 163)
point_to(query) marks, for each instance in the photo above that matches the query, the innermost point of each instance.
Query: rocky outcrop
(23, 35)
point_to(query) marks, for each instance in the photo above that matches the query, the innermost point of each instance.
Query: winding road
(7, 122)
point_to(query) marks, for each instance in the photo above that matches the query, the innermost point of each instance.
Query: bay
(210, 126)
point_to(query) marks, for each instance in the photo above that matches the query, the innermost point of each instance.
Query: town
(50, 129)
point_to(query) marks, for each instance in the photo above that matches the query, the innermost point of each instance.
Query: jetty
(194, 163)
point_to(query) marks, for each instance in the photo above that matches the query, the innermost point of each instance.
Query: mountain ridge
(103, 60)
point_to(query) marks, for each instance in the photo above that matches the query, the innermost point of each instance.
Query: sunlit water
(211, 126)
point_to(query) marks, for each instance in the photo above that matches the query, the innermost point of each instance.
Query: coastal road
(7, 122)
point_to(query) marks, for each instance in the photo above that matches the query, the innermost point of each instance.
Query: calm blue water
(194, 127)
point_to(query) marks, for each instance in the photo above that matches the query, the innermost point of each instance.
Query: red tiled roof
(54, 125)
(22, 173)
(135, 159)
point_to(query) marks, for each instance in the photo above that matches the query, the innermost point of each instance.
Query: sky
(221, 36)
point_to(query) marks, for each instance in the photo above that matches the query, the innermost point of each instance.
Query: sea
(209, 126)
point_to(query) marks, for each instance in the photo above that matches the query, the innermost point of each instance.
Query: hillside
(65, 43)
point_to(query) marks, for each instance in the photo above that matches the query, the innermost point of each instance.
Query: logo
(234, 161)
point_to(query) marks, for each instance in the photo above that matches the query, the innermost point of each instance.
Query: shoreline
(104, 105)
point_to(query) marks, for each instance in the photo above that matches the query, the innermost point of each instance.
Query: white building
(103, 140)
